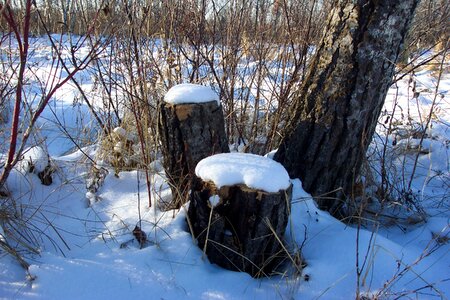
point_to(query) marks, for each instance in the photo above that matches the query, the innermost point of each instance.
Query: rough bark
(189, 133)
(241, 229)
(339, 102)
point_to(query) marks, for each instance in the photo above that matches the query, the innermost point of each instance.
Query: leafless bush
(19, 70)
(252, 52)
(400, 164)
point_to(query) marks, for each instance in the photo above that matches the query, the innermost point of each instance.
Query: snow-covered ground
(87, 249)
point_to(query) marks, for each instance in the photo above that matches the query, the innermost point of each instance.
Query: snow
(87, 250)
(172, 267)
(254, 171)
(214, 200)
(34, 157)
(120, 132)
(190, 93)
(2, 235)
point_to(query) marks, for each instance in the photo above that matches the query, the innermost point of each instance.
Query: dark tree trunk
(241, 228)
(340, 100)
(189, 133)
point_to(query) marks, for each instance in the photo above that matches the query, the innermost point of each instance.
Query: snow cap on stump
(190, 93)
(254, 171)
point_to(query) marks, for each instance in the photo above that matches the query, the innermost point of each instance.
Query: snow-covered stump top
(242, 202)
(191, 127)
(188, 93)
(254, 171)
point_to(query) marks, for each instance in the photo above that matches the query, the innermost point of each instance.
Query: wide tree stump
(191, 127)
(240, 227)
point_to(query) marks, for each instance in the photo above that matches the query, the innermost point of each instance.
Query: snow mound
(254, 171)
(34, 159)
(190, 93)
(120, 132)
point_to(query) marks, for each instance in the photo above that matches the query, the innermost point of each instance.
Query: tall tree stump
(191, 127)
(239, 209)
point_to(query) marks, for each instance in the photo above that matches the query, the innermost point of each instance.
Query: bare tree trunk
(340, 100)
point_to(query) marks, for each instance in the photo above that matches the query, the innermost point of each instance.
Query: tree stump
(191, 127)
(239, 225)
